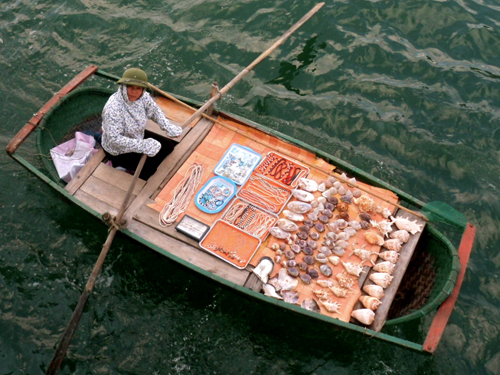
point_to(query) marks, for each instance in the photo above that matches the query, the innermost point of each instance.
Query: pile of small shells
(313, 237)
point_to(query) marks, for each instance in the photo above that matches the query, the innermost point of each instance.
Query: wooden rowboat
(427, 276)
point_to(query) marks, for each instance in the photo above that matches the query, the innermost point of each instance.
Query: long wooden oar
(77, 314)
(245, 71)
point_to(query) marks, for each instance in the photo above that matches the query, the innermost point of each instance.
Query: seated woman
(124, 120)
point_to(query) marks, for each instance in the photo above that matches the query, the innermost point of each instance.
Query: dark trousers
(130, 160)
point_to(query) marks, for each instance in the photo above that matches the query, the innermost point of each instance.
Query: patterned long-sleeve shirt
(124, 123)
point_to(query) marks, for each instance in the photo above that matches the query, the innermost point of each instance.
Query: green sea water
(405, 90)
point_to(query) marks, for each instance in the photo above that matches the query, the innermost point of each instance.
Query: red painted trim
(37, 117)
(443, 314)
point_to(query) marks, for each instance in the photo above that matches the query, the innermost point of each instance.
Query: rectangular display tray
(237, 163)
(265, 193)
(282, 169)
(230, 244)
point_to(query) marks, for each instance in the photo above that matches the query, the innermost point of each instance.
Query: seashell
(299, 207)
(309, 223)
(320, 208)
(275, 246)
(337, 184)
(308, 250)
(290, 296)
(290, 215)
(314, 204)
(277, 258)
(401, 235)
(343, 206)
(343, 236)
(330, 306)
(282, 246)
(313, 273)
(322, 187)
(308, 184)
(311, 305)
(332, 236)
(304, 228)
(285, 281)
(270, 290)
(374, 290)
(328, 183)
(321, 258)
(312, 244)
(341, 223)
(356, 193)
(320, 293)
(364, 224)
(314, 236)
(384, 227)
(333, 227)
(364, 203)
(334, 259)
(339, 291)
(342, 243)
(320, 227)
(332, 199)
(313, 215)
(279, 233)
(325, 250)
(325, 283)
(305, 278)
(325, 270)
(322, 200)
(352, 269)
(374, 238)
(345, 280)
(302, 266)
(384, 266)
(289, 254)
(287, 225)
(303, 195)
(390, 255)
(263, 269)
(342, 190)
(327, 213)
(410, 226)
(274, 282)
(364, 255)
(343, 216)
(350, 231)
(326, 194)
(364, 316)
(323, 218)
(370, 302)
(303, 235)
(365, 216)
(386, 213)
(338, 251)
(346, 198)
(356, 225)
(309, 260)
(291, 263)
(381, 278)
(293, 271)
(393, 244)
(302, 243)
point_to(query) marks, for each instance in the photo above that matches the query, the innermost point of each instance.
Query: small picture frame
(192, 228)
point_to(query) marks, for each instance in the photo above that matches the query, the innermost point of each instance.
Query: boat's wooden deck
(103, 188)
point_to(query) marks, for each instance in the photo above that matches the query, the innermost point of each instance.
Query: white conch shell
(299, 207)
(381, 278)
(393, 244)
(364, 255)
(303, 195)
(308, 184)
(270, 290)
(385, 266)
(279, 233)
(330, 306)
(320, 293)
(364, 203)
(285, 281)
(325, 283)
(344, 280)
(290, 215)
(370, 302)
(384, 227)
(352, 269)
(339, 291)
(410, 226)
(365, 316)
(401, 235)
(287, 225)
(389, 255)
(374, 290)
(263, 269)
(374, 238)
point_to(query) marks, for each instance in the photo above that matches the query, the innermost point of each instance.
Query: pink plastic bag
(69, 157)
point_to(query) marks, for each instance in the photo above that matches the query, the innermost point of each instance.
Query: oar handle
(60, 353)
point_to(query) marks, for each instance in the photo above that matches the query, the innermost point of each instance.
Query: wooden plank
(188, 253)
(85, 172)
(404, 259)
(253, 282)
(155, 128)
(170, 165)
(443, 314)
(117, 178)
(95, 204)
(105, 192)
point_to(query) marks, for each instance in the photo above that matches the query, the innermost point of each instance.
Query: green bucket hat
(135, 77)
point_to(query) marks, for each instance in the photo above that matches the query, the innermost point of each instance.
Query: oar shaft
(259, 59)
(55, 364)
